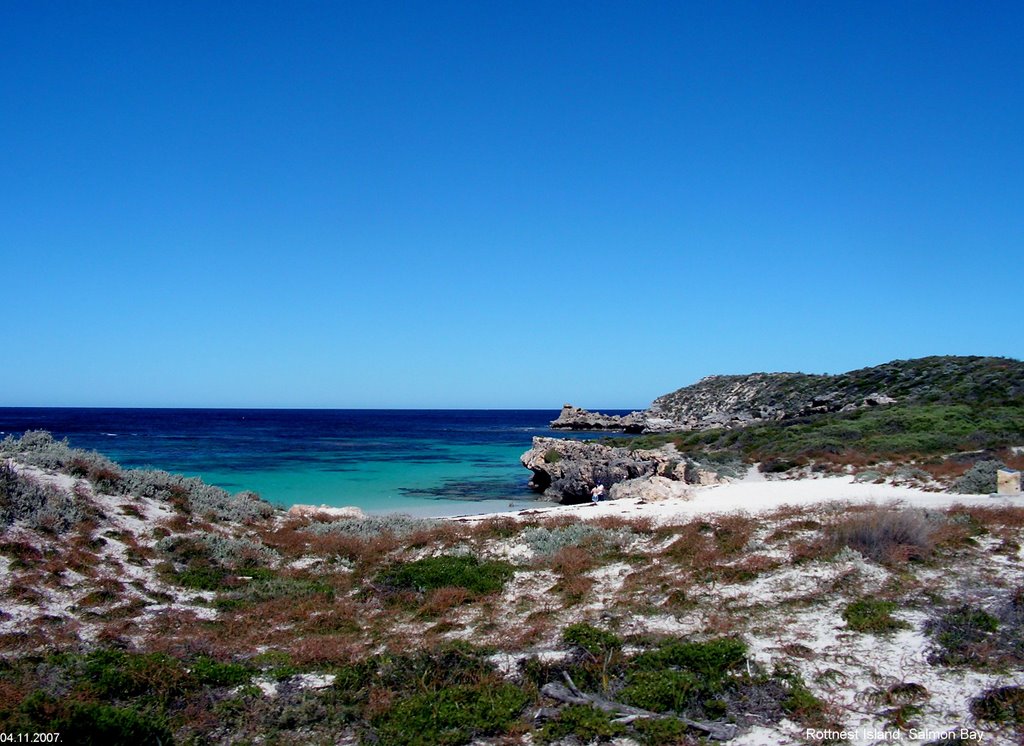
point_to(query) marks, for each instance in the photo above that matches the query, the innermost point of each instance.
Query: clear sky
(434, 204)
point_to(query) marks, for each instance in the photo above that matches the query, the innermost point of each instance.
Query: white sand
(757, 496)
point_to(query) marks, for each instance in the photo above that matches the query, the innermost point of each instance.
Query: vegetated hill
(142, 607)
(902, 410)
(718, 401)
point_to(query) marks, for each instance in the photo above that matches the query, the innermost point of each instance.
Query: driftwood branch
(569, 693)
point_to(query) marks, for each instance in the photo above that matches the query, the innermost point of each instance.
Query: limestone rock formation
(650, 489)
(566, 470)
(577, 418)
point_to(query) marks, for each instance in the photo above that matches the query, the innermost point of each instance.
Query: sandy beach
(754, 495)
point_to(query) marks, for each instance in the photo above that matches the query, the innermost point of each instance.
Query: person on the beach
(596, 494)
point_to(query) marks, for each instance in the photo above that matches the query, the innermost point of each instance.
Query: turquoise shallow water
(472, 479)
(426, 462)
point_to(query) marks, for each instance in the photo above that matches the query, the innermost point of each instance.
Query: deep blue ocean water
(427, 462)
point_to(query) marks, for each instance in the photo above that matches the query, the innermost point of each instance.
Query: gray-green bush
(38, 506)
(980, 479)
(38, 448)
(189, 494)
(226, 551)
(193, 495)
(550, 540)
(373, 526)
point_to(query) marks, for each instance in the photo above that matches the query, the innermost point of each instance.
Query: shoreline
(450, 508)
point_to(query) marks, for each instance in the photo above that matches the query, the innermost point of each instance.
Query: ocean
(422, 462)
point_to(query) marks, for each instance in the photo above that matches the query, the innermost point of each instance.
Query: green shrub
(595, 641)
(119, 675)
(38, 448)
(586, 723)
(453, 715)
(552, 456)
(94, 723)
(456, 663)
(203, 577)
(266, 586)
(777, 465)
(209, 672)
(682, 676)
(447, 571)
(667, 690)
(659, 731)
(354, 679)
(713, 660)
(799, 703)
(872, 615)
(1004, 704)
(723, 463)
(868, 475)
(212, 562)
(962, 636)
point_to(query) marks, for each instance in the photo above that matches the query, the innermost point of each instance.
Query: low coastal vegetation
(144, 607)
(942, 442)
(911, 432)
(872, 615)
(135, 610)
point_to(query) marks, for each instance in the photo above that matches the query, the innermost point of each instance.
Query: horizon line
(316, 409)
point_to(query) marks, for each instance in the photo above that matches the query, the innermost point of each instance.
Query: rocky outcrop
(735, 401)
(566, 470)
(577, 418)
(650, 489)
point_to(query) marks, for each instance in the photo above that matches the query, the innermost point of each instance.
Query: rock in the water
(577, 418)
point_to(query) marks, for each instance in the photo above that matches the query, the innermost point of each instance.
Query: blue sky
(480, 205)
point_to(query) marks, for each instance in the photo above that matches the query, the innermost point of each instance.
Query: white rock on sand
(312, 510)
(650, 489)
